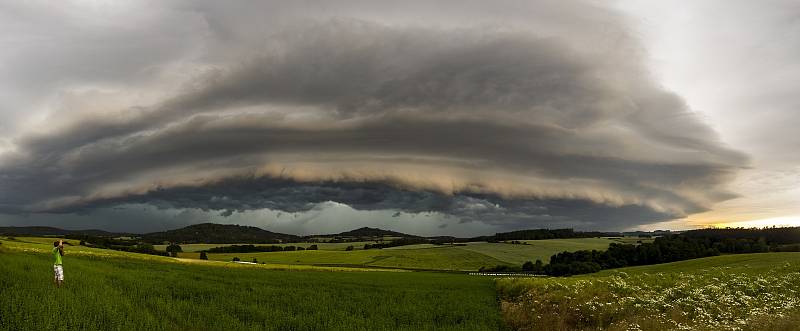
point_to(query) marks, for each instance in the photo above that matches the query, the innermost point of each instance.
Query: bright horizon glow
(783, 221)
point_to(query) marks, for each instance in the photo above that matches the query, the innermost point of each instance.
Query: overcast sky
(428, 117)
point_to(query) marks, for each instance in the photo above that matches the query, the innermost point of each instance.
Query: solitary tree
(173, 249)
(203, 255)
(349, 248)
(312, 248)
(255, 260)
(236, 259)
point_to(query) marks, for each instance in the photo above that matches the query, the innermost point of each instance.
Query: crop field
(731, 292)
(535, 249)
(441, 258)
(469, 257)
(110, 290)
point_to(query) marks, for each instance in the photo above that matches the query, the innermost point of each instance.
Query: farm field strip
(518, 254)
(463, 257)
(446, 258)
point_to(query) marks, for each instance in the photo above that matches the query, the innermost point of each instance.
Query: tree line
(670, 248)
(253, 248)
(398, 242)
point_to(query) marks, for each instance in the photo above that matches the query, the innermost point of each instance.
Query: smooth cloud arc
(501, 125)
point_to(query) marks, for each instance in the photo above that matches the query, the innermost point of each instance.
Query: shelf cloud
(513, 118)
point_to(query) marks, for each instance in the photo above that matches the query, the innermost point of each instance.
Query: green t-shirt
(57, 256)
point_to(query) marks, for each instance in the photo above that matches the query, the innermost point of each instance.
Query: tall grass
(113, 293)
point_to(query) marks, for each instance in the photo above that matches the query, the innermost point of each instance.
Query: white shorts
(59, 272)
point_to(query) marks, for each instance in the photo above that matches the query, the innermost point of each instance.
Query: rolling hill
(372, 232)
(220, 233)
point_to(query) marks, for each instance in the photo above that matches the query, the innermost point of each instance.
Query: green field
(441, 258)
(730, 292)
(108, 290)
(535, 249)
(469, 257)
(304, 290)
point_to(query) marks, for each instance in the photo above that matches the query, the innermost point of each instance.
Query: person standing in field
(58, 269)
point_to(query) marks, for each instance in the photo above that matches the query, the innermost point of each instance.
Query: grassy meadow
(729, 292)
(106, 290)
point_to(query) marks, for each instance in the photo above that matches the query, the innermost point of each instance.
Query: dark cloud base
(243, 194)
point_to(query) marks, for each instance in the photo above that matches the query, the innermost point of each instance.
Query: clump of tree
(257, 249)
(236, 259)
(536, 268)
(255, 260)
(312, 248)
(203, 255)
(500, 268)
(246, 249)
(397, 243)
(173, 249)
(349, 248)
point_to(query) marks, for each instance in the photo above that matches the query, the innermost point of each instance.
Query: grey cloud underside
(242, 194)
(529, 124)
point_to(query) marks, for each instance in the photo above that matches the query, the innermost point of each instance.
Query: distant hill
(373, 232)
(227, 233)
(220, 234)
(51, 231)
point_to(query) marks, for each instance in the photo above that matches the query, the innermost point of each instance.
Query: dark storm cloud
(241, 194)
(531, 121)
